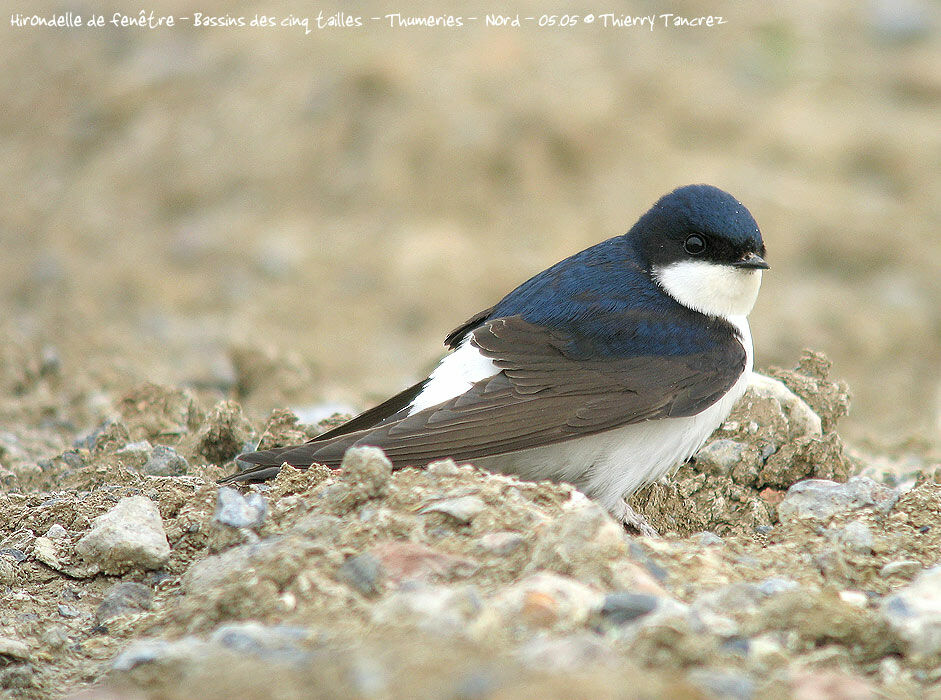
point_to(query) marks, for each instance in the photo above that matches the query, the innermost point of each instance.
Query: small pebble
(165, 461)
(56, 532)
(501, 543)
(128, 536)
(363, 572)
(463, 509)
(820, 499)
(903, 567)
(235, 510)
(914, 611)
(623, 607)
(123, 598)
(67, 611)
(857, 599)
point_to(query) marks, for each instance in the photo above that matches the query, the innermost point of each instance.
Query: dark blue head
(698, 222)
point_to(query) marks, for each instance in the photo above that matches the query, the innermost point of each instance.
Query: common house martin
(606, 371)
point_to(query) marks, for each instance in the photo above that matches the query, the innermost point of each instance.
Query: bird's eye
(695, 244)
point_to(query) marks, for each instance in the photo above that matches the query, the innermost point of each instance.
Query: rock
(14, 649)
(160, 652)
(708, 539)
(134, 454)
(569, 653)
(363, 572)
(500, 544)
(905, 568)
(444, 468)
(723, 455)
(56, 532)
(224, 433)
(67, 611)
(153, 412)
(855, 537)
(279, 643)
(410, 561)
(819, 499)
(436, 608)
(128, 536)
(124, 598)
(774, 585)
(811, 381)
(625, 606)
(462, 509)
(723, 684)
(819, 457)
(165, 461)
(801, 418)
(547, 600)
(582, 542)
(235, 510)
(915, 613)
(369, 468)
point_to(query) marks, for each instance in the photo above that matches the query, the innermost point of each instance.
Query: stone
(500, 543)
(569, 653)
(722, 455)
(128, 536)
(236, 510)
(369, 468)
(801, 418)
(411, 561)
(901, 567)
(124, 598)
(56, 532)
(723, 684)
(547, 600)
(159, 652)
(624, 606)
(14, 649)
(463, 509)
(134, 454)
(435, 608)
(820, 499)
(855, 537)
(67, 611)
(165, 461)
(363, 572)
(224, 433)
(279, 643)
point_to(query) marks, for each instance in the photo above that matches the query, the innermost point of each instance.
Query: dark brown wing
(541, 396)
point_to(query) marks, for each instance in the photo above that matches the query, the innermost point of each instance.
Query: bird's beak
(752, 261)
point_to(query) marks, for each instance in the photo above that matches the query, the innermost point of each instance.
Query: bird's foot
(632, 520)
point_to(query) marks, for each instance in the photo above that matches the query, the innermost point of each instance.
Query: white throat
(710, 288)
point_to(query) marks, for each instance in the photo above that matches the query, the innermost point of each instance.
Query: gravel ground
(789, 565)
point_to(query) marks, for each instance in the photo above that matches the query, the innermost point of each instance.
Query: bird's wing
(542, 395)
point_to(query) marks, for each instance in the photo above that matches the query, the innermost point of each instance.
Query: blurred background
(178, 203)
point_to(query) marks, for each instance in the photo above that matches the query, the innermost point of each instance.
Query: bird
(607, 370)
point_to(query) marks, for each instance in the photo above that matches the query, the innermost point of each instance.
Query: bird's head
(704, 249)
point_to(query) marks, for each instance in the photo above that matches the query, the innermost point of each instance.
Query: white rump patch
(454, 375)
(711, 288)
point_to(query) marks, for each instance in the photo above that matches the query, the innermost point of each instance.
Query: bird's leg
(632, 520)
